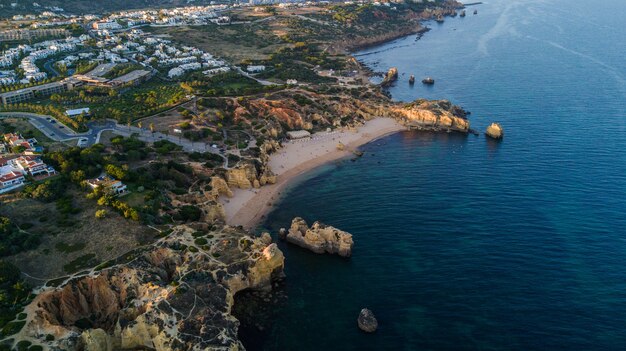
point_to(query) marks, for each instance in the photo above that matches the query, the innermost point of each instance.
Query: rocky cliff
(175, 295)
(250, 175)
(319, 238)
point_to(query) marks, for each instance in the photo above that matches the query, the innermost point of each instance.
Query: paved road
(55, 130)
(261, 81)
(48, 66)
(48, 125)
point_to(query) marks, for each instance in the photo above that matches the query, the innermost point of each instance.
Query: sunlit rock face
(495, 131)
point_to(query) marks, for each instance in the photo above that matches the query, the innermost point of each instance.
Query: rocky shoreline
(174, 295)
(179, 292)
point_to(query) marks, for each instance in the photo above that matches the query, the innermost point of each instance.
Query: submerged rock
(495, 131)
(320, 238)
(366, 321)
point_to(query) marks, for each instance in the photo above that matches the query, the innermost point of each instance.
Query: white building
(255, 69)
(77, 112)
(110, 25)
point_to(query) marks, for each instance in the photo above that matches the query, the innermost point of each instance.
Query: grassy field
(235, 43)
(64, 245)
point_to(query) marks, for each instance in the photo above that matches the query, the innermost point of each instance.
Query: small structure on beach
(298, 134)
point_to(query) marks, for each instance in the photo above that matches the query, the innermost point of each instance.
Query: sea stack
(412, 79)
(366, 321)
(462, 13)
(320, 238)
(428, 81)
(390, 77)
(495, 131)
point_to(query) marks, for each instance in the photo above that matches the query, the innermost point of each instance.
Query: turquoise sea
(462, 243)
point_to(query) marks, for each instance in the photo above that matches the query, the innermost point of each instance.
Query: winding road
(57, 131)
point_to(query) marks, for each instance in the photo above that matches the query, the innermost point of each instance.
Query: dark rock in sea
(366, 321)
(282, 233)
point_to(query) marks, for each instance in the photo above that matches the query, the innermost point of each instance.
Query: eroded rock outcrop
(390, 77)
(439, 115)
(220, 187)
(176, 295)
(319, 238)
(250, 175)
(495, 131)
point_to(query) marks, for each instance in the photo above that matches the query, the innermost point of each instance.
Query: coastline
(249, 207)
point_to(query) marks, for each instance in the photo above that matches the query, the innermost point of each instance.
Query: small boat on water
(412, 79)
(462, 13)
(428, 81)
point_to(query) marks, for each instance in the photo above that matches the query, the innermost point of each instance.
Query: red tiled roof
(11, 176)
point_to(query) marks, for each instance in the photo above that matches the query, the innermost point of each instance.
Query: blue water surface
(462, 243)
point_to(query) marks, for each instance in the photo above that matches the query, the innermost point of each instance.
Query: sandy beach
(248, 207)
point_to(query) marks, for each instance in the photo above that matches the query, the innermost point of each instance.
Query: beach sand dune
(248, 207)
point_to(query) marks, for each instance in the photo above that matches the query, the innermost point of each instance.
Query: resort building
(77, 112)
(13, 171)
(10, 180)
(134, 77)
(110, 25)
(255, 69)
(108, 183)
(14, 140)
(21, 95)
(298, 134)
(33, 165)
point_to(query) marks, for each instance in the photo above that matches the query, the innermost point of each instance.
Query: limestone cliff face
(250, 175)
(432, 115)
(176, 295)
(220, 187)
(320, 238)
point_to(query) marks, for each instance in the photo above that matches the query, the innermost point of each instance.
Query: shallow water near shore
(466, 243)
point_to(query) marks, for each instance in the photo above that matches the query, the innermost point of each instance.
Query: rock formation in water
(438, 115)
(174, 295)
(495, 131)
(366, 321)
(319, 238)
(390, 77)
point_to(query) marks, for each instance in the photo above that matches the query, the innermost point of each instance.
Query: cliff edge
(174, 295)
